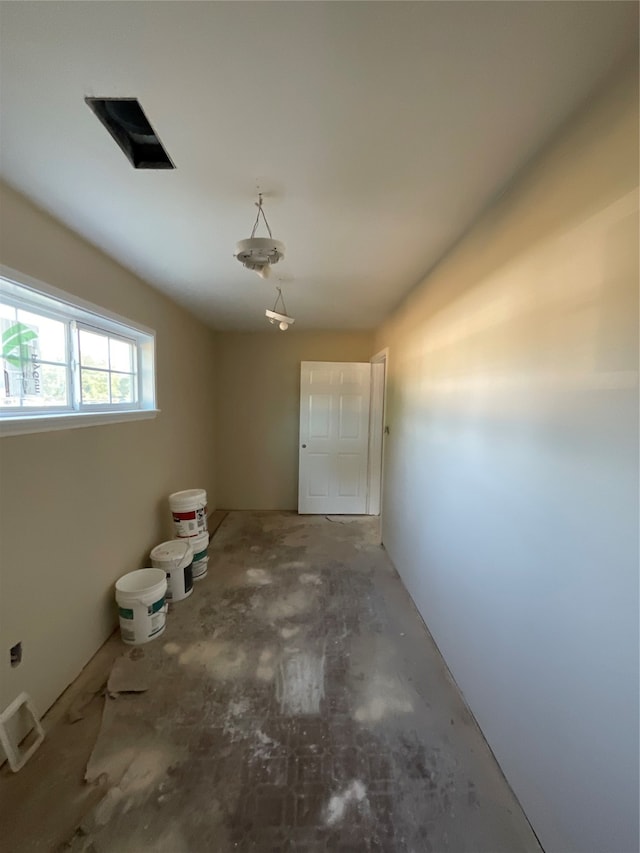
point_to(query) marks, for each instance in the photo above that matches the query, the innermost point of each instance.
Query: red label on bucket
(191, 522)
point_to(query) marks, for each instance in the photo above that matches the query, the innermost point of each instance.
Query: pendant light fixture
(281, 318)
(259, 253)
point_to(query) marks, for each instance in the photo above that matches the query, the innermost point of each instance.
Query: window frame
(51, 302)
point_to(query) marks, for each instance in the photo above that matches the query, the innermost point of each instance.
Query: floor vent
(125, 120)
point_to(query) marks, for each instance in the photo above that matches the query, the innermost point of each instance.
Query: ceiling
(377, 132)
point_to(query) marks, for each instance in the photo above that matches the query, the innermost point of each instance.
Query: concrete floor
(295, 703)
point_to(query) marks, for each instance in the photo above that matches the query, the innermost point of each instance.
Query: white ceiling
(377, 130)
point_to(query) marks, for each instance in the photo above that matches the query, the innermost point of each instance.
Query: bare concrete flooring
(294, 703)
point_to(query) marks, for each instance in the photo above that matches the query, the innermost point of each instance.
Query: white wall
(511, 480)
(258, 410)
(80, 507)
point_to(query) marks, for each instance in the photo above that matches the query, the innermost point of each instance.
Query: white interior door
(334, 437)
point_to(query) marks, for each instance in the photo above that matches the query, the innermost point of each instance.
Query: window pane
(7, 312)
(54, 385)
(52, 338)
(13, 385)
(19, 342)
(20, 362)
(12, 374)
(121, 388)
(121, 355)
(95, 386)
(94, 350)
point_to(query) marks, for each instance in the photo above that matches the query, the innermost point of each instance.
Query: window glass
(52, 337)
(120, 355)
(94, 350)
(35, 361)
(121, 388)
(95, 386)
(54, 384)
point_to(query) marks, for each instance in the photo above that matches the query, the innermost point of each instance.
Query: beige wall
(80, 507)
(511, 477)
(258, 405)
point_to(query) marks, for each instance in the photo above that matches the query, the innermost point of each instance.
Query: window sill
(48, 423)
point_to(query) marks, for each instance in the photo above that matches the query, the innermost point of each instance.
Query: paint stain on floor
(300, 708)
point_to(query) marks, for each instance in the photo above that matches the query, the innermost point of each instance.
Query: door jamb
(378, 410)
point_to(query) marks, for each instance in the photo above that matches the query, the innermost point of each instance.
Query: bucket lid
(174, 551)
(141, 580)
(189, 496)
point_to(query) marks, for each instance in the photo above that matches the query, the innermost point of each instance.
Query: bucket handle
(177, 562)
(138, 605)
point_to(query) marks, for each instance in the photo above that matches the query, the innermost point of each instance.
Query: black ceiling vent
(125, 120)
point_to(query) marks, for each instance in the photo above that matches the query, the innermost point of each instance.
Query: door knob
(304, 445)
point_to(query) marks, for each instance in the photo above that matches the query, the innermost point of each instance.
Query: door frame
(377, 415)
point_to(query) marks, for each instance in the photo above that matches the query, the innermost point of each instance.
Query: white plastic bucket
(175, 558)
(141, 605)
(189, 510)
(199, 546)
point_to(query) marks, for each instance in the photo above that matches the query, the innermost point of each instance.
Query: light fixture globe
(259, 254)
(282, 320)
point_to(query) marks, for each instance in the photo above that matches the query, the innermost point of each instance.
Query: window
(68, 363)
(108, 373)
